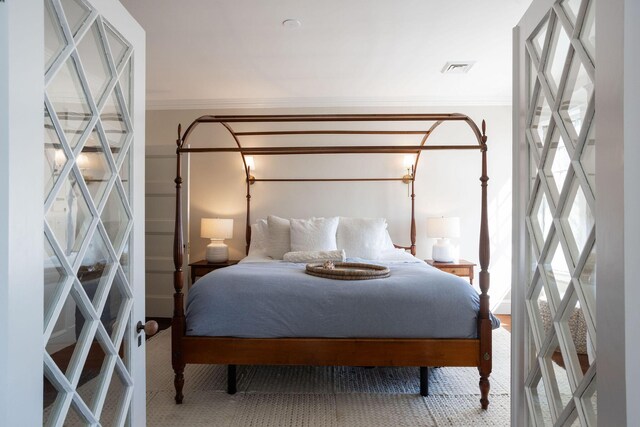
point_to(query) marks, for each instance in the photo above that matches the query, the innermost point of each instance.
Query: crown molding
(337, 102)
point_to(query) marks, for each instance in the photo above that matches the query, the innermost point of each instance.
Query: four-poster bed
(419, 352)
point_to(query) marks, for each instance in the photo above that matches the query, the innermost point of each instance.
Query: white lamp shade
(443, 227)
(216, 228)
(250, 163)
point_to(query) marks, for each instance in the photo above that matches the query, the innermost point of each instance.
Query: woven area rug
(325, 396)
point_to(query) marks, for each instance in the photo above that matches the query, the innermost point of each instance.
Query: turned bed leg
(424, 381)
(484, 391)
(231, 379)
(178, 382)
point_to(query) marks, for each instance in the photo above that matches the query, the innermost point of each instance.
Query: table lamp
(443, 229)
(216, 229)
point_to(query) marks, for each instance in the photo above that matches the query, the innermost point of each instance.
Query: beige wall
(447, 183)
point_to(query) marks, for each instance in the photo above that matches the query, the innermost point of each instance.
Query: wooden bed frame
(332, 351)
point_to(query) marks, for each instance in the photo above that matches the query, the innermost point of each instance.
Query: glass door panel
(561, 262)
(89, 218)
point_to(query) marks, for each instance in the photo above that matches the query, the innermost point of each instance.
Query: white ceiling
(214, 53)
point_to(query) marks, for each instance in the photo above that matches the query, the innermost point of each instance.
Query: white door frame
(618, 231)
(21, 215)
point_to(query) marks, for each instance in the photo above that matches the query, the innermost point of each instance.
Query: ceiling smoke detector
(457, 67)
(291, 23)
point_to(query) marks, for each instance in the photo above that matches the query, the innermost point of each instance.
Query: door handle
(150, 328)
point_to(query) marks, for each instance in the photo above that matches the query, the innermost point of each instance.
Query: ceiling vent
(457, 67)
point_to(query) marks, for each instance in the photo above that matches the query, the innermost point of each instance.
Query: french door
(554, 181)
(93, 214)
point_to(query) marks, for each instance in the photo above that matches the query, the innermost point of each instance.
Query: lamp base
(217, 251)
(443, 251)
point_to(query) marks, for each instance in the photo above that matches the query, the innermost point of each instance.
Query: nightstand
(202, 267)
(460, 268)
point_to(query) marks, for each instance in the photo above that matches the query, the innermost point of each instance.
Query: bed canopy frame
(332, 351)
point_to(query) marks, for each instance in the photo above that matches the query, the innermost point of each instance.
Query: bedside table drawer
(460, 268)
(456, 270)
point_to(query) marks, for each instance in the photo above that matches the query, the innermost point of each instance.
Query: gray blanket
(273, 300)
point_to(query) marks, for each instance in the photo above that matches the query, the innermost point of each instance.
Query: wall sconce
(59, 159)
(216, 229)
(407, 163)
(83, 164)
(251, 166)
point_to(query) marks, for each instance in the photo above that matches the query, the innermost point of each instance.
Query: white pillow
(362, 237)
(388, 243)
(315, 234)
(279, 241)
(259, 237)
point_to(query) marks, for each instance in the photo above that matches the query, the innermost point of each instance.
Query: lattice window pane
(557, 270)
(556, 164)
(571, 7)
(114, 314)
(538, 38)
(588, 158)
(54, 277)
(558, 386)
(89, 382)
(54, 156)
(588, 281)
(69, 217)
(125, 85)
(588, 34)
(540, 410)
(117, 45)
(577, 94)
(96, 272)
(75, 417)
(115, 125)
(70, 102)
(94, 61)
(95, 167)
(590, 403)
(54, 41)
(124, 175)
(540, 122)
(76, 13)
(557, 56)
(541, 218)
(115, 219)
(578, 219)
(115, 400)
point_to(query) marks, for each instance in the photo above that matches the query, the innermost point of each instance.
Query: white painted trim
(21, 215)
(197, 104)
(610, 215)
(632, 203)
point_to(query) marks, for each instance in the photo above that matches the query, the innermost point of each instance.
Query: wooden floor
(505, 321)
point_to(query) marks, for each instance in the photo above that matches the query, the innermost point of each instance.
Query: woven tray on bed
(348, 271)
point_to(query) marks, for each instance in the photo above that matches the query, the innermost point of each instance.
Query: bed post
(247, 233)
(413, 212)
(484, 321)
(178, 323)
